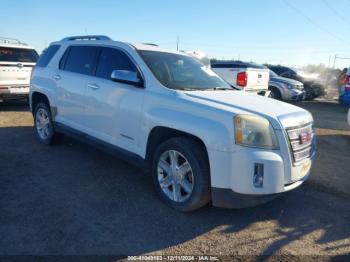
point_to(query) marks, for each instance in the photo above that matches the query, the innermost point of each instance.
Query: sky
(288, 32)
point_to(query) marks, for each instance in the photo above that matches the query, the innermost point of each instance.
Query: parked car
(344, 93)
(199, 138)
(249, 77)
(16, 63)
(312, 88)
(283, 88)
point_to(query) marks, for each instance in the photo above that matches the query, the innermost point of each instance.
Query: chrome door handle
(57, 77)
(93, 86)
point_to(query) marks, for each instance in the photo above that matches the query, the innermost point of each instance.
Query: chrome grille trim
(301, 152)
(294, 133)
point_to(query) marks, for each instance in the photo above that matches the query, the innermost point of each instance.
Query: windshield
(273, 74)
(8, 54)
(183, 72)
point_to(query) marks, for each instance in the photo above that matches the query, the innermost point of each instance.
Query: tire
(197, 175)
(43, 124)
(275, 93)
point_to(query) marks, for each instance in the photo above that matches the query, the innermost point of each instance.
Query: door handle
(93, 86)
(57, 77)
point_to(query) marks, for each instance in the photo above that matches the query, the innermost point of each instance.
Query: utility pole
(335, 59)
(177, 43)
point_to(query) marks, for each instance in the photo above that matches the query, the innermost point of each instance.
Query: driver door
(113, 109)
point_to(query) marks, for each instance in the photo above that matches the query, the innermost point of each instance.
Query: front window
(182, 72)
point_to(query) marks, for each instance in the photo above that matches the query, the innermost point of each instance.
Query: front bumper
(233, 176)
(294, 95)
(227, 198)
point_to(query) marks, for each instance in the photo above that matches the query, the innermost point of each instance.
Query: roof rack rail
(86, 37)
(7, 40)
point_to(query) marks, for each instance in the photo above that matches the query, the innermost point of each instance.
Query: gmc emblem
(304, 138)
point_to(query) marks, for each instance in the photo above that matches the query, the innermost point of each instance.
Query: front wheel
(180, 173)
(275, 93)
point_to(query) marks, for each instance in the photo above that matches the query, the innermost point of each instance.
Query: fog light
(258, 179)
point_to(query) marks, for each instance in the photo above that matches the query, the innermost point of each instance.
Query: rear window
(47, 55)
(79, 59)
(9, 54)
(227, 66)
(237, 65)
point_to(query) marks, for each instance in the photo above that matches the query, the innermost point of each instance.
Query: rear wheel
(275, 93)
(180, 174)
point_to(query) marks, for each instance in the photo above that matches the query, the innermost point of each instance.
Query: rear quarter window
(9, 54)
(47, 55)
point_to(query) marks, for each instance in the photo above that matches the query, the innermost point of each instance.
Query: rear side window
(79, 59)
(47, 55)
(113, 59)
(8, 54)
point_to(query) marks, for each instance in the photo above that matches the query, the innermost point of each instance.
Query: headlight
(290, 86)
(254, 131)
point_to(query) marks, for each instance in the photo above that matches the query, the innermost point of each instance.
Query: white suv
(16, 63)
(200, 139)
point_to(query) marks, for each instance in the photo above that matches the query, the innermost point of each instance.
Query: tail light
(345, 79)
(242, 79)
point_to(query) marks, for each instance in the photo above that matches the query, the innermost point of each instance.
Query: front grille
(302, 142)
(300, 87)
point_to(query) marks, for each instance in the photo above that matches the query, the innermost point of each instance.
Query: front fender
(214, 135)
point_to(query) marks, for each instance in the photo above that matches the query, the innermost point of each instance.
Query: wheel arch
(159, 134)
(36, 98)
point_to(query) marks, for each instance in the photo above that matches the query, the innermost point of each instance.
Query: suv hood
(240, 102)
(285, 80)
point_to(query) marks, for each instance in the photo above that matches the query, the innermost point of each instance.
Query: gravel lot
(73, 199)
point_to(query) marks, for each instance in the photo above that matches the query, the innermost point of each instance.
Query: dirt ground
(72, 199)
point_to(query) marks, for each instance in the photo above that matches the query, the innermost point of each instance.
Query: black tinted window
(226, 66)
(80, 59)
(277, 70)
(47, 55)
(113, 59)
(8, 54)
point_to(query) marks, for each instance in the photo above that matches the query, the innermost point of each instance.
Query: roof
(152, 47)
(15, 46)
(13, 43)
(102, 39)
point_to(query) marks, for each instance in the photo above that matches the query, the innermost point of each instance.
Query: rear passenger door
(76, 66)
(113, 109)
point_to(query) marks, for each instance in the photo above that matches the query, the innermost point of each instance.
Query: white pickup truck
(243, 76)
(201, 140)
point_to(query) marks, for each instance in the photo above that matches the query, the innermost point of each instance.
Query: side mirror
(127, 77)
